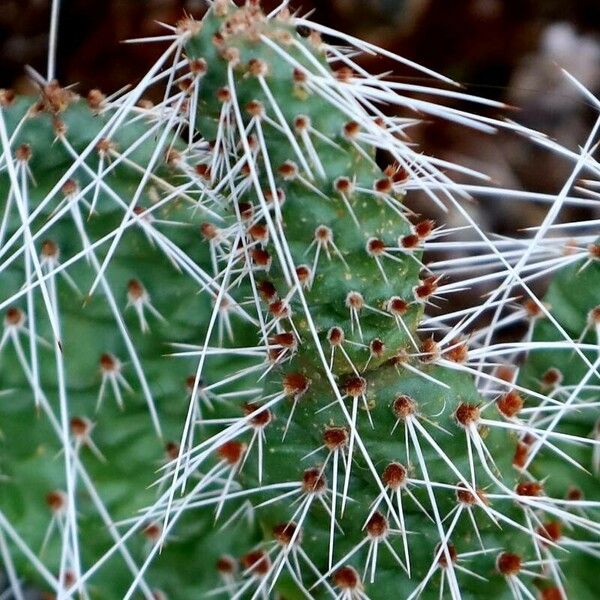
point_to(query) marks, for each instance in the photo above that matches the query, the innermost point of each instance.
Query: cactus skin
(302, 212)
(239, 50)
(127, 438)
(571, 298)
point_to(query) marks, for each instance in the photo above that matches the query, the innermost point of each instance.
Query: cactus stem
(159, 148)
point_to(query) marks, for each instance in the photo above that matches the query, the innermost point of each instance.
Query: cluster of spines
(469, 416)
(247, 249)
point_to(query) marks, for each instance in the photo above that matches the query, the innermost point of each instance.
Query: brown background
(476, 41)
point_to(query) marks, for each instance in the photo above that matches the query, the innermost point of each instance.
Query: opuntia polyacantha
(328, 438)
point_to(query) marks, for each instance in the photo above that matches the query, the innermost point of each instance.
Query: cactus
(112, 368)
(315, 433)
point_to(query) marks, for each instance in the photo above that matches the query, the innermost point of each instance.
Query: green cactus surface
(94, 347)
(235, 387)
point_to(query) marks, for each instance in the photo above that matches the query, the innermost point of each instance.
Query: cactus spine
(349, 454)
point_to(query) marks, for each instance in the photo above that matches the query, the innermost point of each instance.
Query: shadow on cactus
(220, 372)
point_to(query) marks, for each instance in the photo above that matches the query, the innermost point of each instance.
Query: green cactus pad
(291, 426)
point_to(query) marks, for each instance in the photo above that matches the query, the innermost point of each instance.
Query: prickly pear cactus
(224, 295)
(564, 369)
(107, 393)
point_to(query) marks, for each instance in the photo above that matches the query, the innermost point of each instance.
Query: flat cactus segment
(572, 299)
(344, 217)
(354, 388)
(110, 424)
